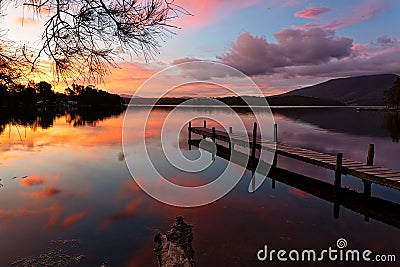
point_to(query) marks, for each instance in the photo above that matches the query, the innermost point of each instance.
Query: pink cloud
(254, 55)
(313, 12)
(205, 12)
(367, 11)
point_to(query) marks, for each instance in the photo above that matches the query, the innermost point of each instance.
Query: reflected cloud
(74, 218)
(47, 192)
(129, 210)
(32, 181)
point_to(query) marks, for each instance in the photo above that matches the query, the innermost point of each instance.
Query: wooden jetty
(367, 172)
(385, 211)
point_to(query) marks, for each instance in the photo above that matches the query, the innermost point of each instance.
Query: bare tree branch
(81, 37)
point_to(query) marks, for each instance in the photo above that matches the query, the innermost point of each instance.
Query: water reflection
(391, 121)
(348, 120)
(44, 118)
(78, 187)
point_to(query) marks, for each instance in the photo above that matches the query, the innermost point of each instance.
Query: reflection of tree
(391, 121)
(44, 119)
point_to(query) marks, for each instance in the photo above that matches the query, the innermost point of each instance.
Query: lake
(66, 187)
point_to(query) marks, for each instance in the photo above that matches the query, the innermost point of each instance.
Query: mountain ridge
(356, 90)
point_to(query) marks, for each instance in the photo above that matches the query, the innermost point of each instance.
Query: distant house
(72, 103)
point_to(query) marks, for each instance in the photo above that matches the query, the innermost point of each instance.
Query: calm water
(64, 178)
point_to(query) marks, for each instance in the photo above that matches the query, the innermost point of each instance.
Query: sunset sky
(281, 45)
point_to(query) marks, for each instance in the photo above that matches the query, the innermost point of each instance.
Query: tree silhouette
(81, 38)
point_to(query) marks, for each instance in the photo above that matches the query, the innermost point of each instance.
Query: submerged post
(205, 126)
(230, 141)
(253, 148)
(337, 185)
(275, 161)
(190, 135)
(213, 134)
(370, 162)
(338, 171)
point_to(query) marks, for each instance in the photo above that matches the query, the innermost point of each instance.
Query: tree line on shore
(42, 93)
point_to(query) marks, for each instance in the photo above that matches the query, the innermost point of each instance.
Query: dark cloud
(202, 73)
(386, 41)
(383, 62)
(255, 55)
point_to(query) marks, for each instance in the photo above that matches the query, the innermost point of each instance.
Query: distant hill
(240, 101)
(361, 90)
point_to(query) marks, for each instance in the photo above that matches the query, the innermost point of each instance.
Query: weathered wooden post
(368, 184)
(190, 135)
(337, 185)
(231, 146)
(370, 162)
(213, 134)
(253, 149)
(338, 171)
(275, 161)
(230, 141)
(205, 126)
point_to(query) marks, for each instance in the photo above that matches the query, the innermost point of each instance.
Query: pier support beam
(205, 126)
(370, 162)
(231, 146)
(337, 185)
(368, 184)
(213, 134)
(190, 135)
(338, 171)
(275, 161)
(253, 149)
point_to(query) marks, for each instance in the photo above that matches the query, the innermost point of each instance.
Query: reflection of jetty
(365, 171)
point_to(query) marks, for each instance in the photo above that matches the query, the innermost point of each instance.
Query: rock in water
(174, 249)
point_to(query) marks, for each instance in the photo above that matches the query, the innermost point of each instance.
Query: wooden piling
(213, 134)
(205, 126)
(337, 185)
(370, 162)
(275, 161)
(253, 148)
(230, 141)
(338, 171)
(190, 135)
